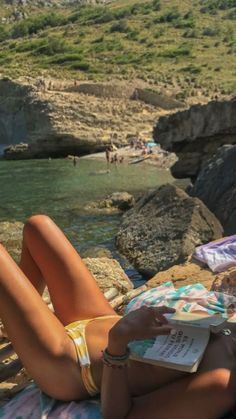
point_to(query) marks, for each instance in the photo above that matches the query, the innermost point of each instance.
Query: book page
(204, 320)
(183, 346)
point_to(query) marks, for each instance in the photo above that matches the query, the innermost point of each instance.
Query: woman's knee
(36, 223)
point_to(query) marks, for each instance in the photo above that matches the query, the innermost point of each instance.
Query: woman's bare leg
(31, 270)
(37, 335)
(207, 395)
(48, 256)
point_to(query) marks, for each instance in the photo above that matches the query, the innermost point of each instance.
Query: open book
(184, 347)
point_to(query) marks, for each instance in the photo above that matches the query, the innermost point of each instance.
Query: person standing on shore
(107, 152)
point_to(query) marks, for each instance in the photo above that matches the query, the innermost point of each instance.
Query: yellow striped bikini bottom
(76, 331)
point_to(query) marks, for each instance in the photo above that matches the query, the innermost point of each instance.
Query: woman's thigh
(73, 290)
(207, 395)
(38, 337)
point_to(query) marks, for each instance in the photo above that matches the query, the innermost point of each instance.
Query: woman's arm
(137, 325)
(115, 395)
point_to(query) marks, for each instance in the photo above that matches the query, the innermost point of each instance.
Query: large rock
(163, 229)
(216, 187)
(195, 134)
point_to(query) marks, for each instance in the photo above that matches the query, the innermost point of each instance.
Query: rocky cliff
(216, 187)
(57, 119)
(195, 134)
(204, 138)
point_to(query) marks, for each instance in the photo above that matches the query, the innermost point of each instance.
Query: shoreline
(159, 158)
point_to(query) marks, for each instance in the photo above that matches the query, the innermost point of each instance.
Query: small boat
(139, 160)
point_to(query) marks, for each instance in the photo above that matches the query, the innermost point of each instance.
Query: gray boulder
(216, 186)
(163, 229)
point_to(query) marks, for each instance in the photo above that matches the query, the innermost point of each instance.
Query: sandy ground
(159, 157)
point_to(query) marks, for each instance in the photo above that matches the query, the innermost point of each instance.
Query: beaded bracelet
(115, 361)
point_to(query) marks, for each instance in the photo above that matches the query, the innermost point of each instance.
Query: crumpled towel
(219, 255)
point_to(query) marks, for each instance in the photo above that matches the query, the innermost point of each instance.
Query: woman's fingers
(163, 330)
(160, 311)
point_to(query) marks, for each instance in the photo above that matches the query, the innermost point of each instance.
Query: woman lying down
(81, 349)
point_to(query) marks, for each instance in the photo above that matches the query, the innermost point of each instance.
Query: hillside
(188, 47)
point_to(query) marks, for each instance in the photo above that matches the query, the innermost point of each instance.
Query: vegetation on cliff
(187, 45)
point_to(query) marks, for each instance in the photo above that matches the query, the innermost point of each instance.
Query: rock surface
(195, 134)
(225, 282)
(108, 274)
(11, 237)
(184, 274)
(117, 201)
(70, 121)
(163, 229)
(216, 187)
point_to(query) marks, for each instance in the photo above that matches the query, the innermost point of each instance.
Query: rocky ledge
(55, 119)
(195, 134)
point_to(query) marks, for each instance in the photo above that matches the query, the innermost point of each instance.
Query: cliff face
(204, 139)
(216, 187)
(195, 134)
(22, 115)
(58, 120)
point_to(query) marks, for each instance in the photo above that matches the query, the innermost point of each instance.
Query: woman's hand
(144, 323)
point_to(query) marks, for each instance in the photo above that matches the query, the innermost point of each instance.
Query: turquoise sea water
(57, 188)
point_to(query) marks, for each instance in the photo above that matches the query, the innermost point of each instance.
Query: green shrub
(212, 6)
(122, 13)
(80, 66)
(169, 16)
(211, 31)
(159, 33)
(105, 17)
(194, 33)
(29, 45)
(52, 46)
(4, 34)
(132, 35)
(231, 15)
(4, 59)
(181, 51)
(120, 26)
(35, 24)
(184, 23)
(128, 58)
(229, 34)
(141, 8)
(98, 40)
(156, 5)
(91, 14)
(191, 69)
(66, 58)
